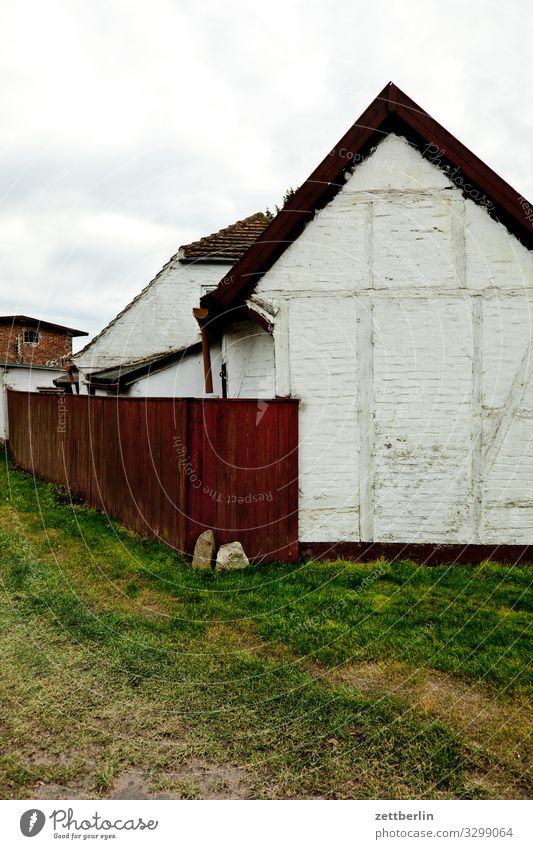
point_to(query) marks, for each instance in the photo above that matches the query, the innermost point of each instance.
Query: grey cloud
(173, 121)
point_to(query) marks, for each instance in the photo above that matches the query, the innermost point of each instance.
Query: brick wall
(51, 347)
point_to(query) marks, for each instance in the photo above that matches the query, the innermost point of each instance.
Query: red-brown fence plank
(171, 467)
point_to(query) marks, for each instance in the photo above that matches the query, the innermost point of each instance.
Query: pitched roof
(228, 244)
(126, 373)
(37, 322)
(391, 111)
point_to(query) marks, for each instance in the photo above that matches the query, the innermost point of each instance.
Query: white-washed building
(393, 296)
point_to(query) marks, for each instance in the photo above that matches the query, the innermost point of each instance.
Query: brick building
(33, 354)
(25, 340)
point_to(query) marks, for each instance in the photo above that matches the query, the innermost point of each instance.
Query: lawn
(125, 674)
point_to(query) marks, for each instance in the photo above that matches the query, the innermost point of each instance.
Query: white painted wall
(23, 379)
(159, 319)
(184, 379)
(403, 322)
(250, 352)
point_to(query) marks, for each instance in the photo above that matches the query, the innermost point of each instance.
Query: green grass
(317, 680)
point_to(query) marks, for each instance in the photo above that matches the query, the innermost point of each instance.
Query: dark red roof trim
(391, 111)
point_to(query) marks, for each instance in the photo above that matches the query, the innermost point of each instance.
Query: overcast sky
(130, 128)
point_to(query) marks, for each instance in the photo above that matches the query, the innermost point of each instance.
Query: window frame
(34, 333)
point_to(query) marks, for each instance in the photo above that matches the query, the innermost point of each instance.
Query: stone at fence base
(231, 556)
(204, 551)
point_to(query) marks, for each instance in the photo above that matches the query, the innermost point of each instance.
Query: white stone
(231, 556)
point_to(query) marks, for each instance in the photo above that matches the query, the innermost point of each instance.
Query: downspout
(201, 315)
(72, 380)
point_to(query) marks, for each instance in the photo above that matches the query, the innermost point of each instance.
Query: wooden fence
(171, 467)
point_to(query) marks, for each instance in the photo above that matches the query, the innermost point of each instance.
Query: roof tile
(230, 243)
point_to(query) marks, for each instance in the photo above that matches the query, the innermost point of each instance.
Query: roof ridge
(390, 111)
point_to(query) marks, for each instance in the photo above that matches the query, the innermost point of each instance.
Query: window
(31, 337)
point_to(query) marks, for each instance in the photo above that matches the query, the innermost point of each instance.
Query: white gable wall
(403, 323)
(159, 319)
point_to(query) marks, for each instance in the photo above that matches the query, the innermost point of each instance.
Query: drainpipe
(71, 370)
(201, 316)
